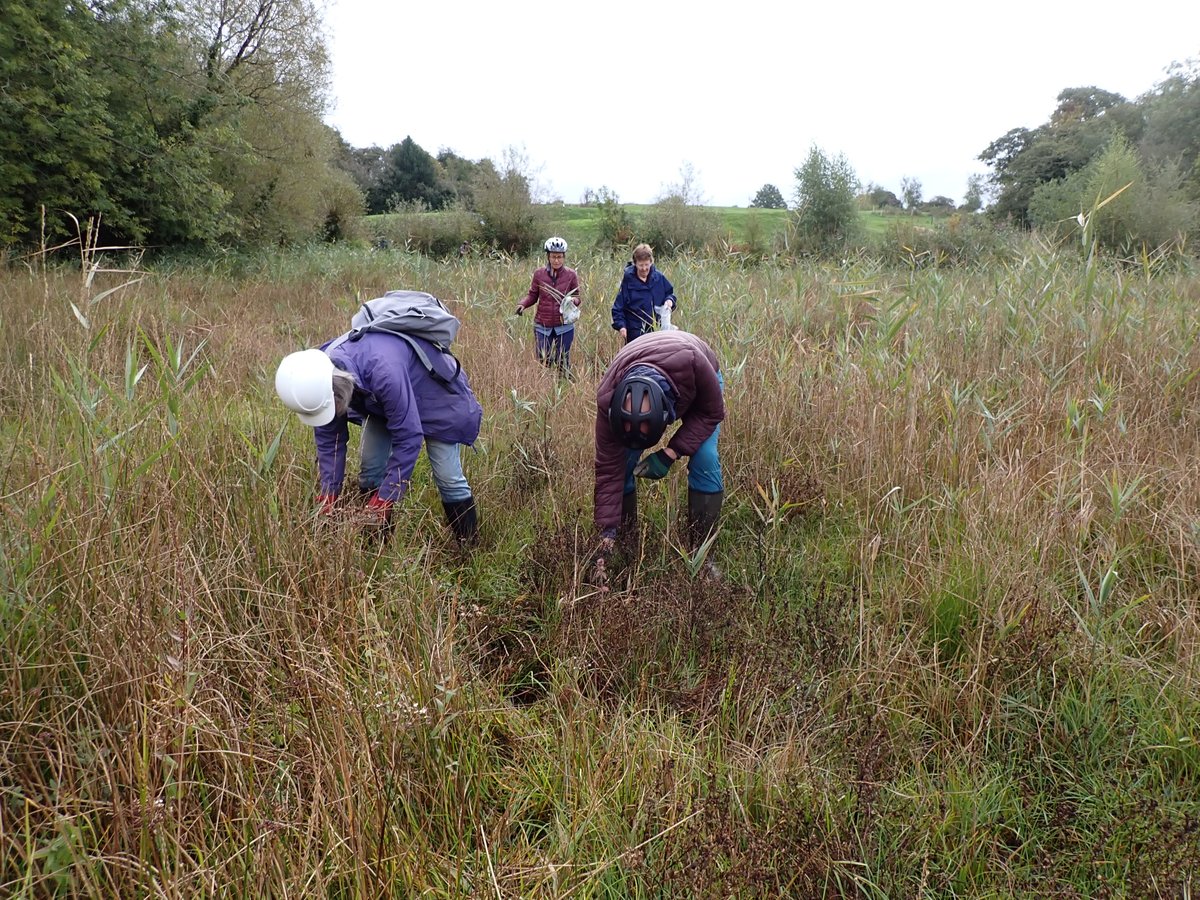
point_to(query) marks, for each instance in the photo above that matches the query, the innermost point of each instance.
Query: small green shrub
(508, 218)
(672, 225)
(826, 221)
(963, 240)
(432, 233)
(616, 227)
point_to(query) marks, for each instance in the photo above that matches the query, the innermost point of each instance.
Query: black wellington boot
(704, 511)
(629, 510)
(463, 519)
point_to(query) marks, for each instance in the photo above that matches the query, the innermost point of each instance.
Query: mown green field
(579, 222)
(733, 225)
(955, 651)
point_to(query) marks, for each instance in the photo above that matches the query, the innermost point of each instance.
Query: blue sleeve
(618, 310)
(331, 454)
(670, 292)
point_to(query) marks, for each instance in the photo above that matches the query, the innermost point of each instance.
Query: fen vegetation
(954, 653)
(956, 647)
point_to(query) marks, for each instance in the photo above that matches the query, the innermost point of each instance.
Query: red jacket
(547, 292)
(691, 366)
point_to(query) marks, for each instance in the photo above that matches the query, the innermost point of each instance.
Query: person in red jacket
(661, 378)
(555, 290)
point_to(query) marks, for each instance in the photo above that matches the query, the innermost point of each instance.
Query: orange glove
(380, 508)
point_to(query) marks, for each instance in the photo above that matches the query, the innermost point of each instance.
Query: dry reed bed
(962, 509)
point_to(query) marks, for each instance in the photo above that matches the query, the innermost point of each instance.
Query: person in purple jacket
(552, 288)
(664, 377)
(644, 292)
(378, 382)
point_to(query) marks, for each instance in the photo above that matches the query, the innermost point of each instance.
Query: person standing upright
(554, 289)
(643, 294)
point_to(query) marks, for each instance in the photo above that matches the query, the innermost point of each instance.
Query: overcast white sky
(626, 94)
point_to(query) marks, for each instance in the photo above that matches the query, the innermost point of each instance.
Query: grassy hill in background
(580, 225)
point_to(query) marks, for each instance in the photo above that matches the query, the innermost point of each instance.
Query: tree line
(1125, 173)
(1129, 167)
(199, 122)
(169, 121)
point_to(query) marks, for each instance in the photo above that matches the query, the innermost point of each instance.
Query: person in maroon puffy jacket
(661, 378)
(553, 289)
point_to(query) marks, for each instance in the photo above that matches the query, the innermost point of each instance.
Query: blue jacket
(394, 384)
(634, 306)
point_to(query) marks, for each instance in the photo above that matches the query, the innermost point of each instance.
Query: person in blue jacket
(643, 294)
(378, 382)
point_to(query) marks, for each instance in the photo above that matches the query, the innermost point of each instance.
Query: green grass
(877, 222)
(954, 652)
(579, 225)
(734, 225)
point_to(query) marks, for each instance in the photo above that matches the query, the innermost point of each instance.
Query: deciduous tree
(910, 190)
(973, 199)
(826, 215)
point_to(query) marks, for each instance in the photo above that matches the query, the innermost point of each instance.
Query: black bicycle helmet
(627, 424)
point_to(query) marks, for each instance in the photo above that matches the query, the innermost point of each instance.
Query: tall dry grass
(954, 653)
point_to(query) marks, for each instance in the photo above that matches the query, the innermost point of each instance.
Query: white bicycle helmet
(556, 245)
(304, 382)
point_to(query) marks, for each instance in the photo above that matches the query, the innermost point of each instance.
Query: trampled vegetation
(955, 651)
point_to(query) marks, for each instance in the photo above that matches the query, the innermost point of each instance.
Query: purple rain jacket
(691, 366)
(394, 384)
(547, 292)
(633, 308)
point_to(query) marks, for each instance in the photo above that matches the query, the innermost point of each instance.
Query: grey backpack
(408, 314)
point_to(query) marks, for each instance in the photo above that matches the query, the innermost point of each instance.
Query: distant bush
(414, 227)
(616, 227)
(672, 225)
(508, 218)
(343, 204)
(938, 206)
(826, 220)
(963, 240)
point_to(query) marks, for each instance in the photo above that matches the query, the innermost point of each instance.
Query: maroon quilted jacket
(547, 292)
(691, 366)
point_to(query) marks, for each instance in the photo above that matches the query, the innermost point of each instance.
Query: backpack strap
(338, 341)
(447, 383)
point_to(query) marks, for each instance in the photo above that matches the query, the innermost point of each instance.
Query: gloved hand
(520, 309)
(380, 510)
(654, 466)
(325, 504)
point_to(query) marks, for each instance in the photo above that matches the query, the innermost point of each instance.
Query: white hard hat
(304, 382)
